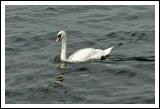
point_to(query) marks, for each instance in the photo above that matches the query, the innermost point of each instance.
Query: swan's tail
(108, 50)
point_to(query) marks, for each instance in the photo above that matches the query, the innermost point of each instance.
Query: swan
(82, 55)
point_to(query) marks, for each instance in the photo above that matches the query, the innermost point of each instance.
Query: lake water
(32, 66)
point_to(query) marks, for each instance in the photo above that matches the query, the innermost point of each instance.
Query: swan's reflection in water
(63, 65)
(60, 78)
(59, 81)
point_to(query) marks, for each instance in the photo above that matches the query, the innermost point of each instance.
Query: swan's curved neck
(63, 49)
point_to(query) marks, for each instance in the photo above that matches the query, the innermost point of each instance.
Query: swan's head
(61, 35)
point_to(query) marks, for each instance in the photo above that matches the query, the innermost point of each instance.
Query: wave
(135, 58)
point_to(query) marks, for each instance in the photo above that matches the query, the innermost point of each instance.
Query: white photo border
(155, 3)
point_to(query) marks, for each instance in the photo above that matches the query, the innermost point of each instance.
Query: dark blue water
(32, 66)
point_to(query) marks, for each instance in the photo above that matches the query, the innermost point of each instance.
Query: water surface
(32, 65)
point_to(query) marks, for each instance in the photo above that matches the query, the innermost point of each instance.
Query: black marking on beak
(58, 37)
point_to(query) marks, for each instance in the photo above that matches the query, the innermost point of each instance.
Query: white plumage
(83, 54)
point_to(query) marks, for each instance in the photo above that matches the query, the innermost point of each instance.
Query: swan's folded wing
(81, 55)
(97, 54)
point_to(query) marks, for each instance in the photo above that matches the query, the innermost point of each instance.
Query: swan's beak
(57, 39)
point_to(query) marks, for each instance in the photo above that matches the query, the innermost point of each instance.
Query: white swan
(81, 55)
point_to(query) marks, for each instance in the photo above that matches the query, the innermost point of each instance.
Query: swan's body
(83, 54)
(88, 54)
